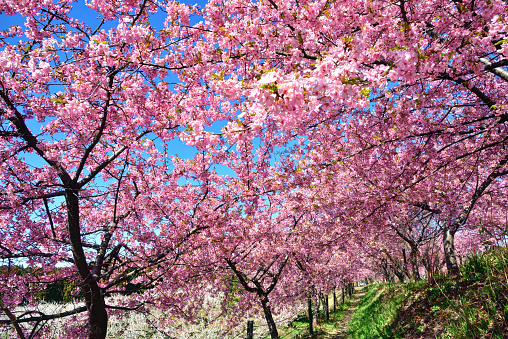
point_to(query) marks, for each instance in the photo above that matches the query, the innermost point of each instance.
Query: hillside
(475, 305)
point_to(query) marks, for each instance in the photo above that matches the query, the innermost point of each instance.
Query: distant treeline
(61, 290)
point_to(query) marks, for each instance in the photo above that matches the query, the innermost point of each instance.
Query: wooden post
(327, 310)
(311, 330)
(250, 329)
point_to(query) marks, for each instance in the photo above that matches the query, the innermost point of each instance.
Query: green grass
(481, 308)
(299, 328)
(376, 311)
(474, 305)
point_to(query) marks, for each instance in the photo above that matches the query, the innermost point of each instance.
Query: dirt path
(341, 332)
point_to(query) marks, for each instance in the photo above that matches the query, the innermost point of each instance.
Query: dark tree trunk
(400, 275)
(311, 327)
(413, 259)
(334, 300)
(94, 300)
(405, 260)
(261, 292)
(327, 310)
(250, 329)
(449, 251)
(265, 303)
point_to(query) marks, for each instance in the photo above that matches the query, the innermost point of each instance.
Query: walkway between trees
(335, 328)
(341, 331)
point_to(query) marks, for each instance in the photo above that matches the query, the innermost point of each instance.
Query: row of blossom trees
(354, 133)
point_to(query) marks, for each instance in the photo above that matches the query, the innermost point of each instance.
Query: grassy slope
(474, 306)
(377, 309)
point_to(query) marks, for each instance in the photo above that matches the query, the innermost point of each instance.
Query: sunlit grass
(374, 313)
(474, 305)
(299, 328)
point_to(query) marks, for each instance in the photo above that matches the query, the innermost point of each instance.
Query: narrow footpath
(341, 332)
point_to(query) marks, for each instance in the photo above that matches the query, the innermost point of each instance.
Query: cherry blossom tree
(358, 108)
(403, 92)
(87, 181)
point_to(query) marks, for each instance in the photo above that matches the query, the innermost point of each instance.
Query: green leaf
(352, 81)
(300, 38)
(366, 91)
(59, 99)
(500, 42)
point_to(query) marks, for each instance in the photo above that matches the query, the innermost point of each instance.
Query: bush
(481, 266)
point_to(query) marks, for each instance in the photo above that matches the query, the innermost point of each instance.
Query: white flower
(268, 78)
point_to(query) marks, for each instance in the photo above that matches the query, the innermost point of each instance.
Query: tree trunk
(98, 316)
(311, 327)
(250, 329)
(449, 251)
(334, 300)
(265, 303)
(405, 261)
(413, 259)
(400, 275)
(94, 300)
(327, 310)
(316, 309)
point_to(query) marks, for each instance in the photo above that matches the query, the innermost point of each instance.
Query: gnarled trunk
(449, 251)
(413, 259)
(265, 303)
(97, 314)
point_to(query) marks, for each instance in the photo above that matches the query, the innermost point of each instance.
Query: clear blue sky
(81, 11)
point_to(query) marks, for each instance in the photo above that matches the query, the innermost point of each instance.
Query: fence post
(311, 330)
(250, 329)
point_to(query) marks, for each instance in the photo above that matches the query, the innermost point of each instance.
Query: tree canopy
(329, 137)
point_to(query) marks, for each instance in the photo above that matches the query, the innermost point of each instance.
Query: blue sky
(81, 11)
